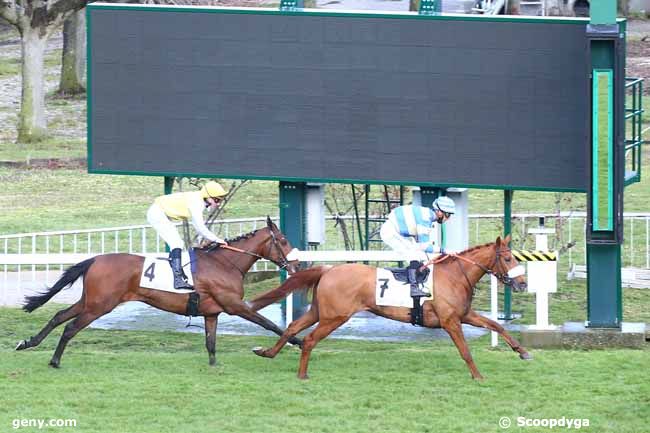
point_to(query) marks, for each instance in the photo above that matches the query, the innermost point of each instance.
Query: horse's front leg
(211, 337)
(454, 329)
(475, 319)
(234, 306)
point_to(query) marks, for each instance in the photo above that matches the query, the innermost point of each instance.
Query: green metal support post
(606, 167)
(169, 184)
(168, 188)
(427, 196)
(507, 229)
(293, 225)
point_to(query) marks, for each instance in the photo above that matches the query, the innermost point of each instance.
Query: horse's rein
(505, 279)
(281, 265)
(238, 250)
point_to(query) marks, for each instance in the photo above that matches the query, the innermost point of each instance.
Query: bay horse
(343, 290)
(111, 279)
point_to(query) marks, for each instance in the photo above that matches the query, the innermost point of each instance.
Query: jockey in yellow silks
(181, 206)
(411, 228)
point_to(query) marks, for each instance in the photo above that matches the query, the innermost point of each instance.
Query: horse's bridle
(274, 244)
(283, 262)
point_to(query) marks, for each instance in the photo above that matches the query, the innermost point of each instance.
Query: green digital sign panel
(603, 152)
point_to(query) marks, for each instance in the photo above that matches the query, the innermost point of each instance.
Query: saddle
(401, 274)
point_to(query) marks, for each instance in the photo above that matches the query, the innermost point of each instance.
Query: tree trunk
(73, 62)
(32, 125)
(513, 7)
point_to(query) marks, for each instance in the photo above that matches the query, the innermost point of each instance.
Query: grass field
(161, 382)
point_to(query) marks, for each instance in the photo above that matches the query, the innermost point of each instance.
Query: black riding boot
(180, 280)
(412, 273)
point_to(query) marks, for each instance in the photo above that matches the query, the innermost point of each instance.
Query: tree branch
(8, 11)
(58, 7)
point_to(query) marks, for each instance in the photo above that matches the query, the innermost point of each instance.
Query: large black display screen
(338, 96)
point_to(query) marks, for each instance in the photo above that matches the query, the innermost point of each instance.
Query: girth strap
(416, 313)
(192, 308)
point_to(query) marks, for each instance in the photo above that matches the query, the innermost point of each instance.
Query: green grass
(50, 148)
(41, 199)
(160, 382)
(9, 67)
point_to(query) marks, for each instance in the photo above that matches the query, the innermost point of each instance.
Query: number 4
(149, 273)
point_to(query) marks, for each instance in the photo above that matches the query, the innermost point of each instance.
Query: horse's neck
(482, 256)
(242, 260)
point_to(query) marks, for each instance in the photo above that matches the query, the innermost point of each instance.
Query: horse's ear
(498, 242)
(269, 223)
(507, 240)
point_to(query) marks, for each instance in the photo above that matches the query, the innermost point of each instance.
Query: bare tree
(340, 204)
(73, 58)
(35, 20)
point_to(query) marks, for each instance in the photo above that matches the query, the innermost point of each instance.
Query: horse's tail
(69, 276)
(301, 280)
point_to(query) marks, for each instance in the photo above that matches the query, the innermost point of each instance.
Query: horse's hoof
(304, 377)
(22, 345)
(259, 351)
(54, 364)
(526, 356)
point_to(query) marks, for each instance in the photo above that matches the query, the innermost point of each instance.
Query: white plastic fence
(142, 239)
(69, 246)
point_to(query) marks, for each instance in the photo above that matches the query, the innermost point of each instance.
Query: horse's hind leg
(59, 318)
(211, 337)
(304, 322)
(71, 329)
(325, 327)
(475, 319)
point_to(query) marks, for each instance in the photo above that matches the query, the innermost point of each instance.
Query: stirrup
(181, 283)
(417, 293)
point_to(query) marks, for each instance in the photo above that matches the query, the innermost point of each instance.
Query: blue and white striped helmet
(444, 204)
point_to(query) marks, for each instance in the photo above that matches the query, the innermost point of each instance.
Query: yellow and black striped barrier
(534, 256)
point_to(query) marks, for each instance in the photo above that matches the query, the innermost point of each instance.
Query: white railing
(37, 259)
(142, 239)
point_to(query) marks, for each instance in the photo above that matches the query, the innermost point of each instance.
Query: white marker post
(494, 307)
(542, 278)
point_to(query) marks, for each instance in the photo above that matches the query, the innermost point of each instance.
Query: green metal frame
(428, 7)
(604, 294)
(311, 12)
(633, 129)
(507, 229)
(341, 13)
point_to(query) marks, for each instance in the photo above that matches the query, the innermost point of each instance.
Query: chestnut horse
(111, 279)
(343, 290)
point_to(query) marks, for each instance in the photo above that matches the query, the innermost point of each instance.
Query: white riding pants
(397, 242)
(164, 227)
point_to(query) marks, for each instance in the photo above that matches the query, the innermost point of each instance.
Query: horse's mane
(476, 247)
(242, 237)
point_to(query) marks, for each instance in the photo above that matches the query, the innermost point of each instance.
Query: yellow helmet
(212, 189)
